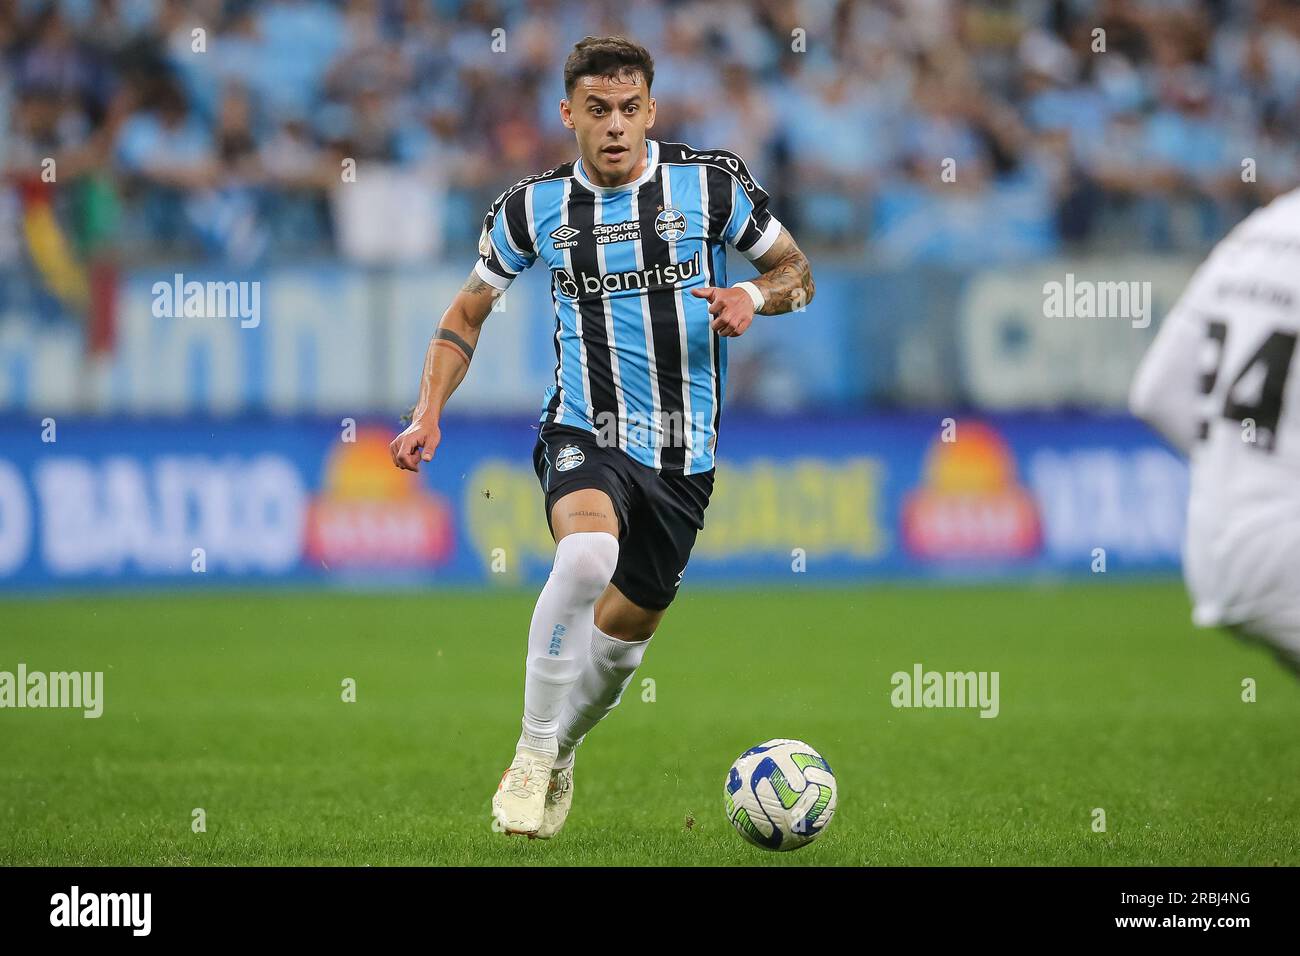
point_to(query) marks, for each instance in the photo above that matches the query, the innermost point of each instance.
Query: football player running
(634, 233)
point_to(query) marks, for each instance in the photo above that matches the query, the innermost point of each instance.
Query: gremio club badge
(670, 224)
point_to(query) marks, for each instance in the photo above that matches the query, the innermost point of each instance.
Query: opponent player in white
(1220, 382)
(634, 233)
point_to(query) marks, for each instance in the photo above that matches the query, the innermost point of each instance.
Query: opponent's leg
(586, 555)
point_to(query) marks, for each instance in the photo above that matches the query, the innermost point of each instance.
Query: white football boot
(520, 801)
(559, 800)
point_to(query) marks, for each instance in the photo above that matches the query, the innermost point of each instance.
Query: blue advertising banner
(92, 503)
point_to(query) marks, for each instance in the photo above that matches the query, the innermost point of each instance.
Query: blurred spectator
(229, 142)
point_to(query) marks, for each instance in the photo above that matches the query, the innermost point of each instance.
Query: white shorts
(1280, 630)
(1251, 586)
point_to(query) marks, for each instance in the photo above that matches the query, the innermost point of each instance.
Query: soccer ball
(780, 794)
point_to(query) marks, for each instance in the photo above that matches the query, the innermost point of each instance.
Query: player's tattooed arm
(445, 363)
(460, 326)
(476, 286)
(786, 280)
(786, 283)
(451, 340)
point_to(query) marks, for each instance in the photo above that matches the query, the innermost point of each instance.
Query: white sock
(560, 633)
(605, 675)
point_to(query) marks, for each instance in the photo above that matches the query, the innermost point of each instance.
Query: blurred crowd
(929, 131)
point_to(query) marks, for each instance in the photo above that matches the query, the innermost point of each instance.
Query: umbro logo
(565, 237)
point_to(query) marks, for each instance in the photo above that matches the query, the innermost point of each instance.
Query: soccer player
(1220, 383)
(633, 232)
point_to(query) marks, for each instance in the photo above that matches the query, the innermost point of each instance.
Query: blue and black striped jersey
(635, 358)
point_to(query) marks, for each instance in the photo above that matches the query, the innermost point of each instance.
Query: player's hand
(732, 309)
(415, 445)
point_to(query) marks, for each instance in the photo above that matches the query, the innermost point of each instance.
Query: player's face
(610, 116)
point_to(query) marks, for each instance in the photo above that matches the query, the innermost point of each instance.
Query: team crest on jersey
(569, 457)
(565, 237)
(670, 224)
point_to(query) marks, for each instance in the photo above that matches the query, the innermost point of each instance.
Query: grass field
(232, 703)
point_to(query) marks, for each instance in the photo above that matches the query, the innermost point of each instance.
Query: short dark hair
(613, 57)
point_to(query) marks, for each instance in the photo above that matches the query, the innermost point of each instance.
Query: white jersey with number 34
(1221, 381)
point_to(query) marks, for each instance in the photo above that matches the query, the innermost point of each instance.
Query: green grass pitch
(232, 703)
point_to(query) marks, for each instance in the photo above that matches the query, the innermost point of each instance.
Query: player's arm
(785, 280)
(445, 363)
(1164, 393)
(784, 284)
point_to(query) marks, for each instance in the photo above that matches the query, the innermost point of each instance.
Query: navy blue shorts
(658, 514)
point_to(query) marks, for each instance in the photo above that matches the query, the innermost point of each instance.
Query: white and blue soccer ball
(780, 794)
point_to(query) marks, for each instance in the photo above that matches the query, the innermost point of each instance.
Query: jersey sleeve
(506, 246)
(1164, 391)
(751, 228)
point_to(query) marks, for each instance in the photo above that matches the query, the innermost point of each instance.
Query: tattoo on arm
(452, 340)
(587, 514)
(787, 286)
(474, 285)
